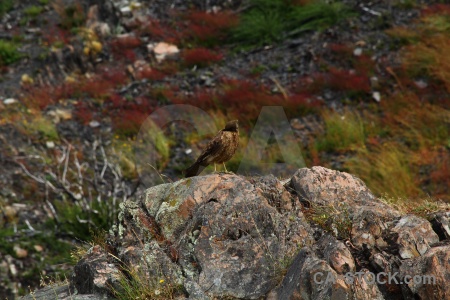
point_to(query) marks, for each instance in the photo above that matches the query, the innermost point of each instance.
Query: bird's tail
(193, 170)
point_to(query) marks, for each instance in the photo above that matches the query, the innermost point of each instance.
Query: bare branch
(66, 164)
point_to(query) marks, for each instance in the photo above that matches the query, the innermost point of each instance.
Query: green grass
(135, 285)
(269, 21)
(72, 16)
(386, 169)
(421, 207)
(405, 4)
(343, 132)
(8, 53)
(5, 6)
(56, 252)
(154, 138)
(260, 27)
(43, 127)
(94, 217)
(335, 220)
(33, 11)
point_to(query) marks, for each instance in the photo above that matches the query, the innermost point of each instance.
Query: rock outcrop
(320, 235)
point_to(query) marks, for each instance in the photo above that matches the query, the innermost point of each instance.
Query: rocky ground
(227, 236)
(72, 105)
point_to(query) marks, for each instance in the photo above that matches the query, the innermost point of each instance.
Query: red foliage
(193, 25)
(441, 174)
(65, 90)
(246, 98)
(309, 84)
(162, 32)
(128, 115)
(55, 34)
(301, 104)
(122, 47)
(164, 94)
(343, 80)
(373, 140)
(96, 87)
(341, 49)
(315, 157)
(436, 9)
(204, 99)
(42, 96)
(208, 26)
(168, 67)
(127, 54)
(200, 56)
(84, 113)
(102, 84)
(128, 122)
(150, 73)
(115, 76)
(364, 64)
(126, 42)
(437, 162)
(116, 101)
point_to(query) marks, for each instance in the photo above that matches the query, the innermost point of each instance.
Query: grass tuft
(421, 207)
(386, 169)
(268, 21)
(8, 53)
(5, 6)
(33, 11)
(71, 16)
(335, 220)
(343, 132)
(40, 126)
(135, 285)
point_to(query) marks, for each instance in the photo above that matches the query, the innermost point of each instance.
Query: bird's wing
(212, 149)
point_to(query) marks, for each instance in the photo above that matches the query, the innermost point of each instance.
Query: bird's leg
(215, 168)
(226, 171)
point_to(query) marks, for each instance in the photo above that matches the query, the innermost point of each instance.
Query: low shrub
(268, 21)
(8, 53)
(200, 57)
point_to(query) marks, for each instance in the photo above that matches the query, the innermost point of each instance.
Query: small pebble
(376, 96)
(357, 52)
(9, 101)
(38, 248)
(20, 252)
(94, 124)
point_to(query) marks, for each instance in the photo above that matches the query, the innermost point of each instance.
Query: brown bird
(219, 150)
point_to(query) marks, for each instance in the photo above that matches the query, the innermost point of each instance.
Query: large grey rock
(430, 274)
(227, 236)
(310, 277)
(336, 254)
(441, 224)
(348, 202)
(61, 292)
(95, 274)
(224, 232)
(414, 236)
